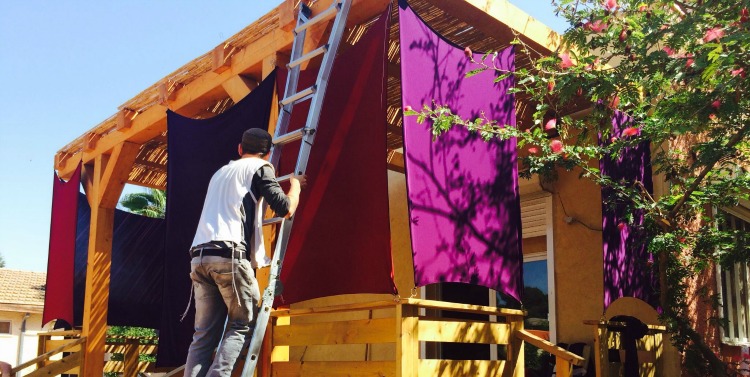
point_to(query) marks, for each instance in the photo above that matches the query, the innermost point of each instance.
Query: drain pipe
(20, 338)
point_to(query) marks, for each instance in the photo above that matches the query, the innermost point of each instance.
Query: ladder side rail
(322, 82)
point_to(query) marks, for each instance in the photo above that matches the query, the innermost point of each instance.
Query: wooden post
(130, 362)
(562, 367)
(407, 340)
(600, 350)
(105, 181)
(514, 366)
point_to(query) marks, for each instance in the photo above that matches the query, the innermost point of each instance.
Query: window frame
(10, 326)
(740, 339)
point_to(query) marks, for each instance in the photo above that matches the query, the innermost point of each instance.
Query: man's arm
(265, 185)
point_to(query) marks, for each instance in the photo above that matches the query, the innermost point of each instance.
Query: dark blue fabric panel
(137, 271)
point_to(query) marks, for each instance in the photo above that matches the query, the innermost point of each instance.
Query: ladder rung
(334, 8)
(273, 220)
(284, 178)
(290, 137)
(318, 51)
(298, 96)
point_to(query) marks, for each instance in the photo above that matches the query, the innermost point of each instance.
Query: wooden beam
(116, 174)
(97, 277)
(287, 15)
(220, 57)
(91, 140)
(238, 87)
(272, 61)
(124, 119)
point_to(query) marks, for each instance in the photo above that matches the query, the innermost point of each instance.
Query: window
(735, 285)
(4, 327)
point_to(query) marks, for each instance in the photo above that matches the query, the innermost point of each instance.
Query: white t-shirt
(221, 218)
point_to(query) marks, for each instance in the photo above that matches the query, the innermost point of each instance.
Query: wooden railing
(564, 359)
(46, 366)
(387, 338)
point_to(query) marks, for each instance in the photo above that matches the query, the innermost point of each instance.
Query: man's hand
(296, 183)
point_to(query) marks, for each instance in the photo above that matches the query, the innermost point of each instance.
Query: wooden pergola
(130, 146)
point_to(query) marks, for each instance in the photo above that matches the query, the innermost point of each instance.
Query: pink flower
(533, 150)
(613, 139)
(631, 131)
(468, 53)
(556, 146)
(716, 104)
(614, 103)
(597, 26)
(744, 15)
(664, 27)
(712, 116)
(610, 4)
(689, 62)
(551, 124)
(566, 62)
(642, 8)
(712, 34)
(739, 72)
(408, 108)
(621, 226)
(668, 50)
(550, 85)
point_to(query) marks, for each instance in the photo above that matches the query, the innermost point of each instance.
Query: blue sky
(65, 66)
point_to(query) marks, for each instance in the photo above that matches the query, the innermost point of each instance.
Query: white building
(21, 306)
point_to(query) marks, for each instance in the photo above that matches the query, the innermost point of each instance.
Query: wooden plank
(463, 368)
(549, 347)
(55, 343)
(396, 161)
(335, 369)
(334, 308)
(407, 345)
(116, 173)
(562, 367)
(238, 87)
(467, 308)
(61, 366)
(464, 332)
(342, 332)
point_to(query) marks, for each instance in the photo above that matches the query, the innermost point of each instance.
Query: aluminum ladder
(315, 94)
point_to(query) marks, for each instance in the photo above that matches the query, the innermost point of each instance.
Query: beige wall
(9, 344)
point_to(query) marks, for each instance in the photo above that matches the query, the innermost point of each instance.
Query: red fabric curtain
(58, 297)
(340, 242)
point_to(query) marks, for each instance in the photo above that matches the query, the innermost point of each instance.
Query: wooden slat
(334, 369)
(116, 173)
(464, 332)
(61, 366)
(55, 343)
(515, 349)
(463, 368)
(237, 87)
(341, 332)
(549, 347)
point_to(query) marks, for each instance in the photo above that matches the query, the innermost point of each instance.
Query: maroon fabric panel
(340, 242)
(464, 205)
(58, 297)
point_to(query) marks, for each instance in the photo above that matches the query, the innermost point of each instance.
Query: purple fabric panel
(58, 296)
(137, 270)
(197, 148)
(463, 191)
(628, 267)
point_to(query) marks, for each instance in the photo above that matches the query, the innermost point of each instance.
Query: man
(223, 261)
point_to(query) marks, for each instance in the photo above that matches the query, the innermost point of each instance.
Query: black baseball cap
(256, 140)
